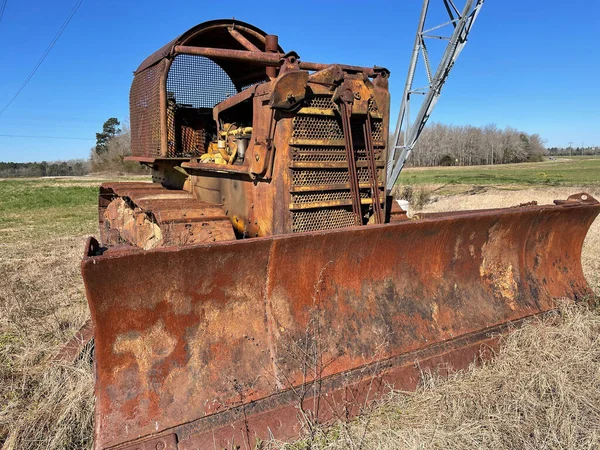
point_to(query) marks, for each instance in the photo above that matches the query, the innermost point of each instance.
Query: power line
(47, 137)
(2, 8)
(39, 63)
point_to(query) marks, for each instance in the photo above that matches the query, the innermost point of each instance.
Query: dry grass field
(542, 391)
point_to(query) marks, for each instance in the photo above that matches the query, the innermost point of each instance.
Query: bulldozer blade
(219, 345)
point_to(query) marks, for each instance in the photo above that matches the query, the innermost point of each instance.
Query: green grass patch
(17, 196)
(562, 172)
(39, 208)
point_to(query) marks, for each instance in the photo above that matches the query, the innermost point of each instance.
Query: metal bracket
(577, 199)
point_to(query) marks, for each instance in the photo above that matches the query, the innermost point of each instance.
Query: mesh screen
(322, 219)
(330, 128)
(144, 107)
(319, 157)
(317, 154)
(308, 177)
(321, 102)
(377, 130)
(192, 142)
(329, 149)
(324, 196)
(318, 127)
(171, 110)
(198, 82)
(373, 106)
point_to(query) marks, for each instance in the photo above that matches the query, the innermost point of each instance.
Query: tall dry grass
(43, 404)
(542, 391)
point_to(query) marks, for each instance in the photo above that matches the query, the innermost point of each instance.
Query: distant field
(561, 172)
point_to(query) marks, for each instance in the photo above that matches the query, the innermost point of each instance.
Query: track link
(147, 215)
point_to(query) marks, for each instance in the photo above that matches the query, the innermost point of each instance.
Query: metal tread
(151, 215)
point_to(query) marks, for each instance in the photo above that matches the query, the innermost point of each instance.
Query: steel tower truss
(408, 132)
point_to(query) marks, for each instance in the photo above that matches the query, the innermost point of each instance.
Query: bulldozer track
(148, 215)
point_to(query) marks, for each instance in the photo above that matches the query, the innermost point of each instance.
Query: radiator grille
(322, 219)
(329, 154)
(312, 185)
(330, 128)
(317, 127)
(377, 130)
(319, 157)
(373, 106)
(321, 102)
(309, 177)
(301, 198)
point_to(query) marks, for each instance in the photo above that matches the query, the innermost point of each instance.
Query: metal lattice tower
(408, 132)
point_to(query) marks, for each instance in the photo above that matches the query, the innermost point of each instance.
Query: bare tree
(468, 145)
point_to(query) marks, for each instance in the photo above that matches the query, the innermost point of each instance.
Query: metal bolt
(160, 445)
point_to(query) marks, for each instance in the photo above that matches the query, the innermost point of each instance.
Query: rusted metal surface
(147, 215)
(373, 176)
(220, 344)
(71, 351)
(150, 92)
(294, 176)
(214, 32)
(271, 46)
(236, 55)
(346, 109)
(164, 442)
(145, 109)
(243, 40)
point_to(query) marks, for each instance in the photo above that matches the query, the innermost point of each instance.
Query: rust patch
(146, 348)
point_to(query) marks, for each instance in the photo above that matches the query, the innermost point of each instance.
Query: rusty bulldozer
(267, 275)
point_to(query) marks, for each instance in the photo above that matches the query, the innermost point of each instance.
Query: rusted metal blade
(72, 350)
(225, 343)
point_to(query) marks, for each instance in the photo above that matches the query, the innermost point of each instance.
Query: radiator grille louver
(320, 184)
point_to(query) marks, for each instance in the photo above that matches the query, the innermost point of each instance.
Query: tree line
(466, 145)
(574, 151)
(74, 167)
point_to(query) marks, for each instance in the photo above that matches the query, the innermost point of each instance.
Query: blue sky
(529, 65)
